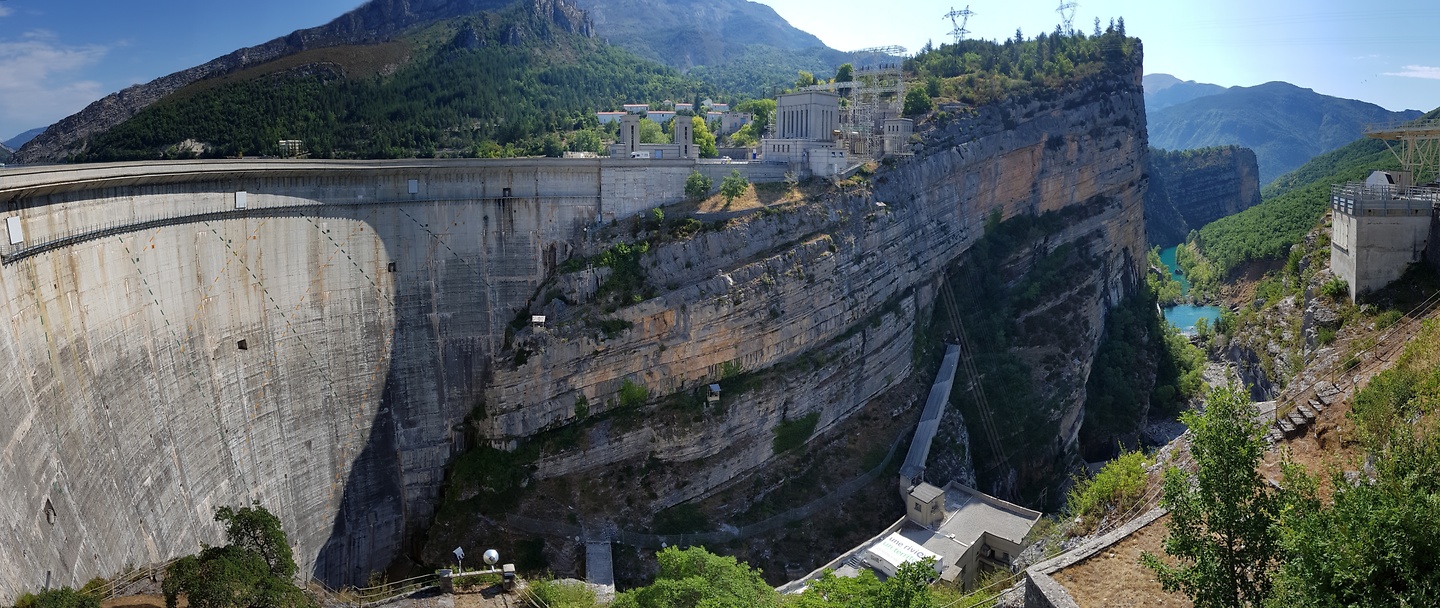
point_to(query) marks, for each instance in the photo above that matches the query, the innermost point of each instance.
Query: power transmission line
(960, 19)
(1067, 16)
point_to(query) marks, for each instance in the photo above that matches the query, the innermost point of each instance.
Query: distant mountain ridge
(1284, 124)
(14, 143)
(685, 34)
(1164, 90)
(741, 46)
(761, 48)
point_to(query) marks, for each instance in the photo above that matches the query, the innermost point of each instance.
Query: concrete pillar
(630, 133)
(684, 132)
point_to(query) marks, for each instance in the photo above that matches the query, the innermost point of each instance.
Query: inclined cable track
(967, 360)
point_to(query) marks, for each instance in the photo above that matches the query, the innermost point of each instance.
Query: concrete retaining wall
(316, 350)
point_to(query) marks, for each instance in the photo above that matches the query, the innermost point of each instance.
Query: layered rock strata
(1191, 188)
(838, 281)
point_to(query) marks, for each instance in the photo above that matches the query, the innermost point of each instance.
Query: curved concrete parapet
(182, 336)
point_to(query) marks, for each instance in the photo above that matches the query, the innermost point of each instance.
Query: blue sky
(56, 56)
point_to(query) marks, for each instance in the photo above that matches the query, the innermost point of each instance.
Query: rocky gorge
(807, 312)
(1191, 188)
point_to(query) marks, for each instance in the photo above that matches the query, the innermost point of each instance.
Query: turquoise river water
(1184, 316)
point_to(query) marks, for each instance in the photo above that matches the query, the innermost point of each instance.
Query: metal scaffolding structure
(877, 92)
(1415, 143)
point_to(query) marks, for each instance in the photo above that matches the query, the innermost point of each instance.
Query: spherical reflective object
(492, 556)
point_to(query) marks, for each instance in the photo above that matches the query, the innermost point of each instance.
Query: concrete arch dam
(183, 336)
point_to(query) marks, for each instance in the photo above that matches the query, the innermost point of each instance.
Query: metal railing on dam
(1357, 198)
(10, 254)
(44, 178)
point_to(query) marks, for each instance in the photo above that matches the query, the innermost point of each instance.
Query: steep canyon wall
(1191, 188)
(824, 299)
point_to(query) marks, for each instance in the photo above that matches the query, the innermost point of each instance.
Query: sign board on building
(17, 234)
(895, 550)
(241, 199)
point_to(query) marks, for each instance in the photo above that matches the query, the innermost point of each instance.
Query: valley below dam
(327, 337)
(1185, 316)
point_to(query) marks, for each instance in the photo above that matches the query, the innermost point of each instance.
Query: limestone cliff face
(821, 302)
(1191, 188)
(374, 22)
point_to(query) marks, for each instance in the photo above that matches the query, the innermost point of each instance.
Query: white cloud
(40, 79)
(1418, 71)
(6, 11)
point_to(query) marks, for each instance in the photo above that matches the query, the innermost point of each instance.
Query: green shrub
(734, 185)
(1388, 319)
(791, 434)
(1115, 489)
(558, 594)
(1335, 289)
(697, 185)
(1325, 336)
(482, 579)
(633, 395)
(63, 597)
(686, 228)
(614, 327)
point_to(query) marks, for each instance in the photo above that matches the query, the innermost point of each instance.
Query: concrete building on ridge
(897, 132)
(806, 127)
(731, 122)
(1386, 223)
(1381, 226)
(629, 146)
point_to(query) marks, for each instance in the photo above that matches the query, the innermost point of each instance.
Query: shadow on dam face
(317, 357)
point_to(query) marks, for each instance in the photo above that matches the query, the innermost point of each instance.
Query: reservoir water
(1184, 316)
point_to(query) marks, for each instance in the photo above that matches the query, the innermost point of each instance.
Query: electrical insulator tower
(959, 19)
(1067, 16)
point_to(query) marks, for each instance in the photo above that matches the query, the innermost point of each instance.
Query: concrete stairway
(1304, 414)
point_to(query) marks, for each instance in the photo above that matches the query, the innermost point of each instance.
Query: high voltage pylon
(1067, 16)
(959, 19)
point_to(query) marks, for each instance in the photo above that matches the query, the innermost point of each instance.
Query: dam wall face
(185, 336)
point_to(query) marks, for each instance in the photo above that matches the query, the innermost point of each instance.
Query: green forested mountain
(1284, 124)
(740, 46)
(1292, 205)
(490, 84)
